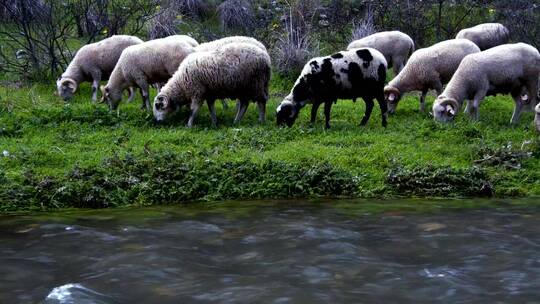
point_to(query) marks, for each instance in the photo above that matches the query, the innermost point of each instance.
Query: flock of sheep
(478, 63)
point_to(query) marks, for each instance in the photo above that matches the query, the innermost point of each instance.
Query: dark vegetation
(57, 155)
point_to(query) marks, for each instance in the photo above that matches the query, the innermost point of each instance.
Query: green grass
(50, 143)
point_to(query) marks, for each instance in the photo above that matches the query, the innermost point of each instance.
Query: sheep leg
(262, 110)
(475, 115)
(95, 88)
(131, 96)
(314, 109)
(384, 110)
(241, 111)
(212, 110)
(146, 98)
(225, 105)
(518, 108)
(195, 107)
(369, 109)
(398, 66)
(423, 101)
(327, 108)
(468, 107)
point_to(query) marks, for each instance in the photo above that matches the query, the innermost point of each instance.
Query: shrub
(443, 182)
(164, 23)
(236, 15)
(167, 178)
(364, 27)
(191, 8)
(296, 46)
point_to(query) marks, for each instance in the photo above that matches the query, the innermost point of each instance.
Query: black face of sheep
(286, 114)
(163, 108)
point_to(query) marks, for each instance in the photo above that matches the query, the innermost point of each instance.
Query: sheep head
(286, 113)
(445, 109)
(392, 96)
(110, 97)
(163, 107)
(66, 87)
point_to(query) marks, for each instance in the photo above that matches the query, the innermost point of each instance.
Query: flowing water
(272, 253)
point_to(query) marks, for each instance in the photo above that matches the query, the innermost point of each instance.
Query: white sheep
(237, 71)
(428, 69)
(486, 35)
(213, 45)
(344, 75)
(93, 62)
(509, 68)
(151, 62)
(394, 45)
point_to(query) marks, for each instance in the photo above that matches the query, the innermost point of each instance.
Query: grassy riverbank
(80, 155)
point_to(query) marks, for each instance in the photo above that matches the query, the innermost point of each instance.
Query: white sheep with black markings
(93, 62)
(151, 62)
(428, 69)
(237, 71)
(394, 45)
(486, 35)
(344, 75)
(506, 69)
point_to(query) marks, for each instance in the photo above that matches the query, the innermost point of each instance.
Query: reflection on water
(272, 253)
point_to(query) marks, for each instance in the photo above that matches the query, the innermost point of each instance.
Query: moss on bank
(81, 155)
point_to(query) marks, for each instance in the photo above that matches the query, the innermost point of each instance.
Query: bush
(191, 8)
(442, 182)
(164, 23)
(236, 15)
(171, 179)
(296, 46)
(363, 28)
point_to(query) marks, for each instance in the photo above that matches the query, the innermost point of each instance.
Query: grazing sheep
(509, 68)
(152, 62)
(395, 46)
(486, 35)
(237, 71)
(428, 69)
(192, 42)
(213, 45)
(93, 62)
(344, 75)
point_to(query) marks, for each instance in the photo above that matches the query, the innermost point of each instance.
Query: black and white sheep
(486, 35)
(428, 69)
(394, 45)
(93, 62)
(151, 62)
(236, 70)
(344, 75)
(509, 68)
